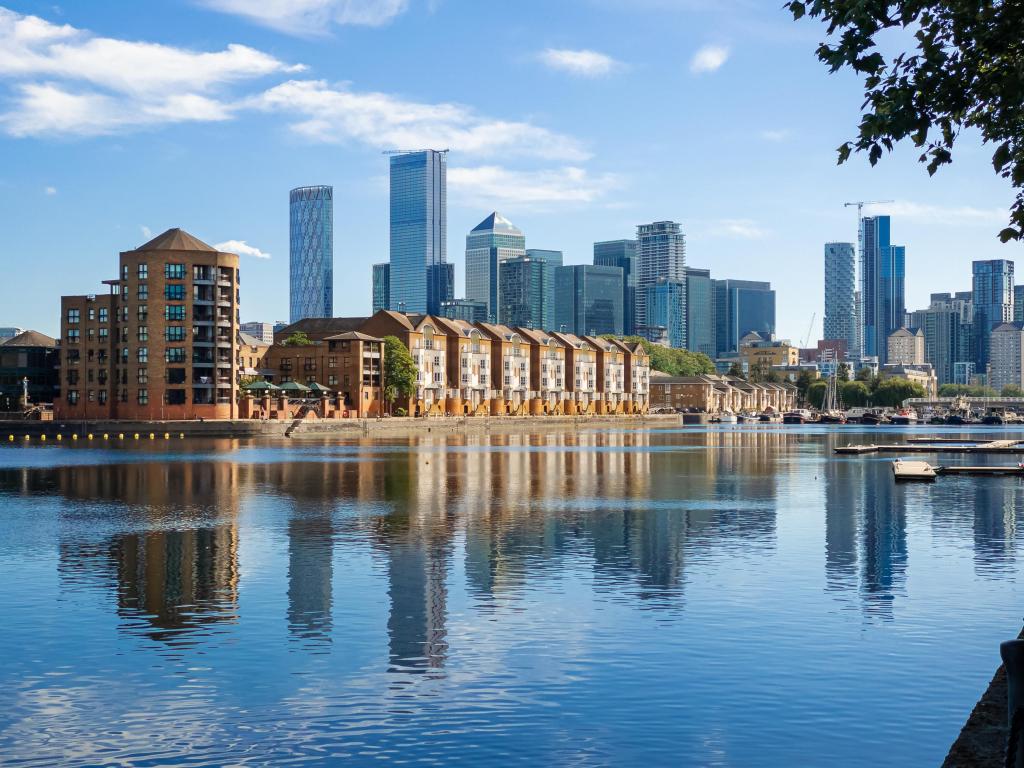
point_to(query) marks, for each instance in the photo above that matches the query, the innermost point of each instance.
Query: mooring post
(1012, 652)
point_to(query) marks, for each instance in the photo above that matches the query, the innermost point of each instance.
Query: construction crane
(860, 208)
(810, 330)
(412, 151)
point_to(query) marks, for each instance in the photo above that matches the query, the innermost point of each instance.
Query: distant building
(963, 373)
(758, 353)
(883, 267)
(381, 286)
(622, 254)
(9, 333)
(948, 333)
(700, 312)
(28, 355)
(661, 252)
(840, 293)
(917, 374)
(492, 241)
(440, 286)
(311, 252)
(742, 307)
(464, 309)
(905, 346)
(1018, 305)
(1006, 356)
(992, 292)
(418, 227)
(588, 300)
(665, 300)
(522, 287)
(552, 260)
(262, 331)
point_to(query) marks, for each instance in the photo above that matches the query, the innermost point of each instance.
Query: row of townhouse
(716, 394)
(471, 369)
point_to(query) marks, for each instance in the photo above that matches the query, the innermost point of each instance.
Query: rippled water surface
(738, 597)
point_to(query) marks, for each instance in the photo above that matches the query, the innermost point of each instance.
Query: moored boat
(727, 417)
(799, 416)
(770, 417)
(832, 417)
(874, 418)
(905, 417)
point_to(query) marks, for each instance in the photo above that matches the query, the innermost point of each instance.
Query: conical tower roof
(496, 223)
(176, 240)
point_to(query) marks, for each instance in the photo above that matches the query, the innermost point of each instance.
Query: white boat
(913, 470)
(727, 417)
(748, 417)
(905, 417)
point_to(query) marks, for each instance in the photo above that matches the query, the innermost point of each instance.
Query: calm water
(724, 598)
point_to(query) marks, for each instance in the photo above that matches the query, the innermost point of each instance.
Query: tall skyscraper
(882, 270)
(993, 304)
(666, 311)
(742, 306)
(700, 312)
(623, 254)
(440, 286)
(948, 336)
(1018, 305)
(661, 252)
(311, 253)
(840, 295)
(488, 244)
(419, 226)
(381, 286)
(588, 299)
(552, 261)
(521, 289)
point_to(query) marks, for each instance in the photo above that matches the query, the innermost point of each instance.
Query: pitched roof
(497, 223)
(176, 240)
(352, 336)
(250, 341)
(320, 327)
(30, 339)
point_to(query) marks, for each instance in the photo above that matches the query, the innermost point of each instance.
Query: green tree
(804, 379)
(736, 370)
(864, 374)
(1012, 390)
(816, 393)
(973, 390)
(965, 69)
(892, 392)
(854, 394)
(399, 371)
(843, 372)
(298, 339)
(675, 362)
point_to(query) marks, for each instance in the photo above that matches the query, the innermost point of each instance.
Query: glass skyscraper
(381, 286)
(661, 252)
(948, 334)
(841, 295)
(419, 222)
(552, 261)
(992, 292)
(882, 272)
(588, 299)
(700, 312)
(621, 253)
(521, 289)
(311, 253)
(440, 286)
(666, 309)
(742, 306)
(488, 244)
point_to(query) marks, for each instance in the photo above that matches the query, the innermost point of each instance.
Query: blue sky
(577, 119)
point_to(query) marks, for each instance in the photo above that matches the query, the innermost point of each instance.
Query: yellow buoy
(167, 435)
(120, 435)
(136, 436)
(10, 438)
(151, 435)
(59, 437)
(181, 436)
(105, 436)
(90, 435)
(26, 438)
(74, 437)
(43, 438)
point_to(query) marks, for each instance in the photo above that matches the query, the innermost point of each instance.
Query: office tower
(906, 346)
(666, 311)
(661, 252)
(262, 331)
(1018, 305)
(1006, 356)
(993, 303)
(464, 309)
(419, 226)
(840, 295)
(488, 244)
(521, 290)
(947, 326)
(882, 269)
(700, 312)
(381, 286)
(588, 299)
(742, 307)
(440, 286)
(552, 260)
(163, 344)
(621, 253)
(311, 253)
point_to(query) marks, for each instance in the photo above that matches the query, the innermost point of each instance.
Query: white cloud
(338, 115)
(68, 82)
(241, 248)
(50, 190)
(739, 229)
(495, 185)
(146, 232)
(950, 215)
(775, 135)
(583, 63)
(311, 17)
(709, 59)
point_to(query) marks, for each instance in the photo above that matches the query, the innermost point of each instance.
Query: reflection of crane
(810, 330)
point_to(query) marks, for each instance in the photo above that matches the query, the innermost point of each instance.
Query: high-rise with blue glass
(992, 293)
(311, 253)
(700, 311)
(492, 241)
(588, 299)
(742, 306)
(666, 310)
(882, 274)
(623, 254)
(419, 230)
(381, 286)
(841, 295)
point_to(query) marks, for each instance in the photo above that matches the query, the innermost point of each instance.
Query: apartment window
(73, 356)
(124, 293)
(142, 313)
(310, 364)
(347, 380)
(73, 336)
(508, 366)
(72, 397)
(72, 377)
(143, 376)
(174, 312)
(174, 271)
(103, 397)
(91, 396)
(143, 355)
(74, 315)
(175, 333)
(104, 314)
(332, 380)
(90, 334)
(175, 375)
(332, 362)
(174, 355)
(174, 397)
(508, 380)
(174, 292)
(286, 365)
(143, 396)
(89, 375)
(143, 292)
(143, 333)
(465, 378)
(92, 313)
(104, 334)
